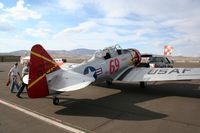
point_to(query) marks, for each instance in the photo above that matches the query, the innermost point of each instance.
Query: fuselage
(102, 68)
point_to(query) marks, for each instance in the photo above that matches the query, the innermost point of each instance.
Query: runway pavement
(167, 107)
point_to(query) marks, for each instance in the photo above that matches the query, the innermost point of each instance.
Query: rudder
(41, 64)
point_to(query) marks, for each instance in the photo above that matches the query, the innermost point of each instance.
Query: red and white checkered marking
(168, 50)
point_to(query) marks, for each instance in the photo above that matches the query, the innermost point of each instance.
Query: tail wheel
(55, 101)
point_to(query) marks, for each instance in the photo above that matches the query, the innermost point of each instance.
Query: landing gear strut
(143, 84)
(109, 82)
(55, 100)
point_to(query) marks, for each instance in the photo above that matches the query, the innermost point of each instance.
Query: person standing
(13, 74)
(25, 71)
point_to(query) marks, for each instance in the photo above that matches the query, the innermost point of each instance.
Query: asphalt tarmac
(167, 107)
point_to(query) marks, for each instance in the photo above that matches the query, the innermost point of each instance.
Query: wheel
(55, 101)
(108, 82)
(143, 84)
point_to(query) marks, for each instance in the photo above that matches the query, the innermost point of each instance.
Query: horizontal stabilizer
(68, 81)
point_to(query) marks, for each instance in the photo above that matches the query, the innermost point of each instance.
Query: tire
(55, 101)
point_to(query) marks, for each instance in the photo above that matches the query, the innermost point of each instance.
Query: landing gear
(55, 101)
(143, 84)
(109, 82)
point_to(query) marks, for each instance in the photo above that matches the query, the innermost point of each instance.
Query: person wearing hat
(13, 74)
(25, 71)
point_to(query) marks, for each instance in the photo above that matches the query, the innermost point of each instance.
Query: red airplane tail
(41, 64)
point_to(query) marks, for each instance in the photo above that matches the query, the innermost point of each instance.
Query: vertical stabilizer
(41, 64)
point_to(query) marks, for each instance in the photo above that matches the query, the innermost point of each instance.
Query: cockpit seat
(119, 51)
(107, 56)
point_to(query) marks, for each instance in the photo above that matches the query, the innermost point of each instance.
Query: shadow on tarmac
(122, 106)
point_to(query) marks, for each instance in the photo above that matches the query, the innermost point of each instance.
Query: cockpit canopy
(109, 52)
(116, 50)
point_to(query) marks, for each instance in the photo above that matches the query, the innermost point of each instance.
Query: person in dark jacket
(25, 71)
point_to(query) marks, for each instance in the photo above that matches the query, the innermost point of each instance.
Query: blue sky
(146, 25)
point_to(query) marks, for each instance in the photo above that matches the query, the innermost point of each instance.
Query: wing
(69, 80)
(159, 74)
(67, 66)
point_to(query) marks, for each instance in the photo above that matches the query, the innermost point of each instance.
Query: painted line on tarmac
(40, 117)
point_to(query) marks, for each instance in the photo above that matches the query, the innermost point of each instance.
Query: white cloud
(90, 34)
(21, 12)
(181, 16)
(15, 44)
(82, 27)
(156, 8)
(39, 32)
(6, 27)
(71, 5)
(130, 22)
(1, 5)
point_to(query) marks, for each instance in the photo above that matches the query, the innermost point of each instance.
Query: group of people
(13, 78)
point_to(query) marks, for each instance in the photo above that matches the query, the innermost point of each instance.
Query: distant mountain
(74, 52)
(58, 52)
(17, 53)
(82, 51)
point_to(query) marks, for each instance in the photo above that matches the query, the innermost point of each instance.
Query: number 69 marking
(114, 65)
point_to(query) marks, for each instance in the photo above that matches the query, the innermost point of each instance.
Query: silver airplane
(113, 63)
